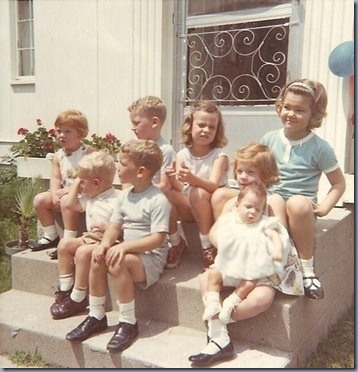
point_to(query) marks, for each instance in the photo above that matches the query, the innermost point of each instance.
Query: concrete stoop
(169, 312)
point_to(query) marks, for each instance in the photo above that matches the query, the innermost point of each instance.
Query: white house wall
(100, 55)
(94, 56)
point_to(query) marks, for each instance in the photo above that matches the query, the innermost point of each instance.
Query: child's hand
(98, 227)
(318, 210)
(184, 174)
(61, 192)
(115, 255)
(171, 171)
(98, 254)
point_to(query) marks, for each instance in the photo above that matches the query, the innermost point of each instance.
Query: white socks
(50, 232)
(127, 312)
(308, 271)
(66, 282)
(96, 306)
(78, 294)
(212, 305)
(229, 305)
(69, 234)
(205, 241)
(174, 239)
(217, 331)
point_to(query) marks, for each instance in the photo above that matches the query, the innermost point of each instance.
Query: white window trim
(16, 79)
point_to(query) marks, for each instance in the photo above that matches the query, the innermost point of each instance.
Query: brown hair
(144, 153)
(73, 119)
(258, 189)
(210, 107)
(260, 157)
(309, 88)
(149, 106)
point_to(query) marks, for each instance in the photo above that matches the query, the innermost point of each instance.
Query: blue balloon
(341, 59)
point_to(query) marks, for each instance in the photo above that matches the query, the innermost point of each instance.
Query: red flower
(22, 131)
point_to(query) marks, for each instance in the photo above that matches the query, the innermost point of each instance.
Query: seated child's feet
(125, 334)
(44, 243)
(87, 328)
(68, 308)
(228, 306)
(61, 296)
(208, 256)
(313, 288)
(174, 254)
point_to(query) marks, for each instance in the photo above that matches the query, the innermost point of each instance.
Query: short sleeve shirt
(100, 208)
(300, 163)
(202, 166)
(169, 156)
(142, 214)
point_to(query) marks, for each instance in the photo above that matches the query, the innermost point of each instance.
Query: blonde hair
(73, 119)
(261, 157)
(98, 164)
(149, 106)
(258, 189)
(144, 153)
(210, 107)
(311, 89)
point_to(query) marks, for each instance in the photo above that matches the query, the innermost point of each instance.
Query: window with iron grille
(239, 63)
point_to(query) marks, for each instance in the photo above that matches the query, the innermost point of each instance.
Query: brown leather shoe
(123, 337)
(61, 296)
(174, 254)
(68, 308)
(87, 328)
(208, 256)
(312, 290)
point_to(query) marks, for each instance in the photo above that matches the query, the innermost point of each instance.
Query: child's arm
(55, 181)
(210, 184)
(110, 236)
(72, 203)
(274, 236)
(171, 173)
(338, 186)
(147, 243)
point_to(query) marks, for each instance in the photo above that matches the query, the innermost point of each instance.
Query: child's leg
(180, 210)
(219, 348)
(219, 198)
(64, 306)
(44, 210)
(256, 302)
(212, 297)
(70, 220)
(230, 302)
(203, 214)
(96, 321)
(130, 271)
(302, 229)
(277, 208)
(178, 244)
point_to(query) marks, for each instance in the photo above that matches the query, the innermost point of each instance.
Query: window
(25, 49)
(236, 51)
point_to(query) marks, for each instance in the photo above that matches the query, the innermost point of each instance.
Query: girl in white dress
(250, 245)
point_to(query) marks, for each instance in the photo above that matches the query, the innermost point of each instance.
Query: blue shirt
(300, 163)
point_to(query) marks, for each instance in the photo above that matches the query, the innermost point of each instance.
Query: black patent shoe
(53, 255)
(205, 360)
(123, 337)
(312, 290)
(36, 246)
(87, 328)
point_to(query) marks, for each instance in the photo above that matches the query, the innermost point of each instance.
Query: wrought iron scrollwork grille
(237, 64)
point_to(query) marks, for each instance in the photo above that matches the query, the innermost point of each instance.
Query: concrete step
(294, 325)
(26, 324)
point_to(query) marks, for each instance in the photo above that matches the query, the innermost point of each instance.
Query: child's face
(142, 126)
(89, 186)
(246, 175)
(68, 137)
(250, 208)
(127, 170)
(204, 127)
(296, 114)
